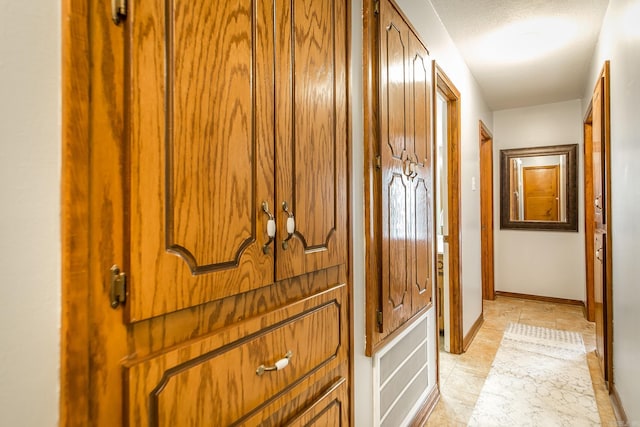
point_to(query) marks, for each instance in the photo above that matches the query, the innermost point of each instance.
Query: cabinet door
(420, 143)
(395, 151)
(311, 135)
(201, 146)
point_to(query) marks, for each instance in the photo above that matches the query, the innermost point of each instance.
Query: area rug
(539, 377)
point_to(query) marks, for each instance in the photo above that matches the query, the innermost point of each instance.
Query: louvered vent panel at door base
(404, 374)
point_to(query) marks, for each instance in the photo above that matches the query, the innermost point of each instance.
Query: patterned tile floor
(462, 376)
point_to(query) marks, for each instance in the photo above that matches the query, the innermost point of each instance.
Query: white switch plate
(473, 183)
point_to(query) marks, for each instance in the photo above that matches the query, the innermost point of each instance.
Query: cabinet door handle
(271, 227)
(412, 168)
(279, 365)
(291, 225)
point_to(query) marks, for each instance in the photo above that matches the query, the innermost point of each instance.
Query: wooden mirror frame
(571, 223)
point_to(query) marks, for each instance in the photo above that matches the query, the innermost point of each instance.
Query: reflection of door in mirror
(540, 191)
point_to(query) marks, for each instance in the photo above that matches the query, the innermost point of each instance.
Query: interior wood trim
(349, 210)
(589, 213)
(488, 285)
(606, 96)
(473, 331)
(445, 86)
(618, 409)
(427, 408)
(371, 132)
(540, 298)
(74, 333)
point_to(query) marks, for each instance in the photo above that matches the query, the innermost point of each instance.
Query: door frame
(486, 214)
(604, 77)
(589, 212)
(75, 329)
(444, 86)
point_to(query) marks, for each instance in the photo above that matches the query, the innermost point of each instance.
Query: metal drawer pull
(291, 225)
(279, 365)
(271, 227)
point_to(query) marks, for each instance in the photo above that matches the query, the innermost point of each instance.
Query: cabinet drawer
(331, 409)
(214, 380)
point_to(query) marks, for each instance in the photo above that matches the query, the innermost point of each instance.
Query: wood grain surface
(173, 154)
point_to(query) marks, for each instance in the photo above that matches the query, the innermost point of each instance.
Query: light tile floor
(462, 376)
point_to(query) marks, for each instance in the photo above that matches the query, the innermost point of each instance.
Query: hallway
(462, 376)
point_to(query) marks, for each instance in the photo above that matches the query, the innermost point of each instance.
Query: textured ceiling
(525, 52)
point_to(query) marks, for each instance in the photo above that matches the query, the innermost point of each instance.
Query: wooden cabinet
(222, 137)
(401, 191)
(226, 197)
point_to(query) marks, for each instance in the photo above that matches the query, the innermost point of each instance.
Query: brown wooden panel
(201, 151)
(393, 79)
(599, 280)
(486, 211)
(396, 255)
(174, 328)
(422, 289)
(598, 158)
(422, 227)
(218, 372)
(211, 138)
(589, 209)
(396, 188)
(328, 410)
(311, 135)
(421, 104)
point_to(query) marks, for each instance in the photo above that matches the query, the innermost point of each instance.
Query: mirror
(538, 188)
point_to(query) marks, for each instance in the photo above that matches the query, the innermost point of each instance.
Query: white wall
(445, 53)
(620, 43)
(545, 263)
(30, 213)
(442, 49)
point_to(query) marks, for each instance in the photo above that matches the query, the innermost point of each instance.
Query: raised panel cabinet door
(311, 135)
(420, 142)
(396, 186)
(201, 151)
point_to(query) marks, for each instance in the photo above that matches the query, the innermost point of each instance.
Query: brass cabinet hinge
(118, 10)
(376, 7)
(379, 317)
(118, 290)
(378, 162)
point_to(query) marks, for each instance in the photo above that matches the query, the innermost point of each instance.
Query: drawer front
(214, 380)
(331, 409)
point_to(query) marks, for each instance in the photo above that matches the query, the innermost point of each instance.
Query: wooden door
(540, 188)
(311, 131)
(420, 152)
(395, 152)
(486, 211)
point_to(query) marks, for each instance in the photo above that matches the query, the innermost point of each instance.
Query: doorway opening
(449, 286)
